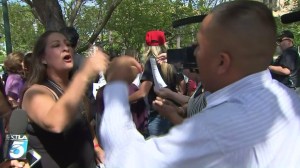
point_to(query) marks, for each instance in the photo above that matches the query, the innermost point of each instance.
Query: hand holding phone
(33, 157)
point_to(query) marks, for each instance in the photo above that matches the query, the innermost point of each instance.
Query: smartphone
(32, 157)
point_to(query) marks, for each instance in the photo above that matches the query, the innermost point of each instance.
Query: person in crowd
(250, 119)
(181, 81)
(156, 46)
(27, 64)
(186, 106)
(285, 67)
(5, 110)
(73, 37)
(138, 108)
(58, 127)
(14, 83)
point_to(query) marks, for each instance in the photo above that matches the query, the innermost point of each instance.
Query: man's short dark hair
(71, 34)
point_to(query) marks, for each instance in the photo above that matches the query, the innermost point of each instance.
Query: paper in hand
(158, 80)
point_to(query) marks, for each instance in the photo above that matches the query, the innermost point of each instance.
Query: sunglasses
(281, 40)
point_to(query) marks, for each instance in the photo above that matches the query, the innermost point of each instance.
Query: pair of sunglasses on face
(282, 39)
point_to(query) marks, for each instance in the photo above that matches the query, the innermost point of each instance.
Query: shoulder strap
(49, 85)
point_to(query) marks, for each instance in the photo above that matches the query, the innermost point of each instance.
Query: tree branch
(101, 25)
(33, 10)
(74, 12)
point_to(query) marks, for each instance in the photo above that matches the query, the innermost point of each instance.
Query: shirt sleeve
(124, 145)
(14, 88)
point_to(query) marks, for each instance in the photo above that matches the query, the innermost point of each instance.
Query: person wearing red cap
(156, 48)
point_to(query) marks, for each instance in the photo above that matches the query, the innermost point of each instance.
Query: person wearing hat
(155, 48)
(285, 67)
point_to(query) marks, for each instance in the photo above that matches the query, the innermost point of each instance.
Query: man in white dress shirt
(250, 120)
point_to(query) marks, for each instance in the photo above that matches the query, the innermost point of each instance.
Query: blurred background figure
(27, 64)
(5, 110)
(73, 37)
(156, 48)
(15, 81)
(285, 67)
(78, 60)
(186, 106)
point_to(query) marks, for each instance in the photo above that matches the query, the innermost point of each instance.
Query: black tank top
(73, 148)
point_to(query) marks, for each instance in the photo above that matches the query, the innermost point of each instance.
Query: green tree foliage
(23, 26)
(134, 18)
(119, 26)
(24, 29)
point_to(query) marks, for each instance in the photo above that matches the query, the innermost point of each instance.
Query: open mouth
(67, 58)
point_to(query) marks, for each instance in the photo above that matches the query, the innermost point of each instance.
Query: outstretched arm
(142, 92)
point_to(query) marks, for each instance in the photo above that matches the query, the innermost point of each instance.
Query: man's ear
(224, 62)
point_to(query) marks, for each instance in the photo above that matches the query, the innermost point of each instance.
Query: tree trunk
(48, 12)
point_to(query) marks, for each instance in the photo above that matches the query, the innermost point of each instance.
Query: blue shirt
(254, 122)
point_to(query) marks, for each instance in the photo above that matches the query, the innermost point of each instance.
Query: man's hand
(100, 155)
(123, 68)
(168, 109)
(14, 164)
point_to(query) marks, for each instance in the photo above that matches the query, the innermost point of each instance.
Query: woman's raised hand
(96, 62)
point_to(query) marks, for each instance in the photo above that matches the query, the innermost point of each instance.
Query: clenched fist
(123, 68)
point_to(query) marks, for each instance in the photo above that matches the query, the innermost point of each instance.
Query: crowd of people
(239, 108)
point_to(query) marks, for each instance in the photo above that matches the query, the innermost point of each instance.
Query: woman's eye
(55, 45)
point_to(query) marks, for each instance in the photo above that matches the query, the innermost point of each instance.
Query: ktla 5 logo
(18, 149)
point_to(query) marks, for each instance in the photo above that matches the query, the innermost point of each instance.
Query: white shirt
(254, 122)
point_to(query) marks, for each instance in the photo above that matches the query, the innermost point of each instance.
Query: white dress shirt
(254, 122)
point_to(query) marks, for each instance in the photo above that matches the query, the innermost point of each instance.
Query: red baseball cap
(155, 38)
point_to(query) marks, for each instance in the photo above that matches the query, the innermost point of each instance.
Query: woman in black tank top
(58, 127)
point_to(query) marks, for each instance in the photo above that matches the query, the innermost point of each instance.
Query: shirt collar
(245, 84)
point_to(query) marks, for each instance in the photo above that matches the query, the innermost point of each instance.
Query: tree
(134, 18)
(52, 17)
(23, 26)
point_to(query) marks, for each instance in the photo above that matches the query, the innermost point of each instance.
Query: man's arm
(279, 70)
(142, 92)
(169, 94)
(185, 146)
(287, 64)
(124, 145)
